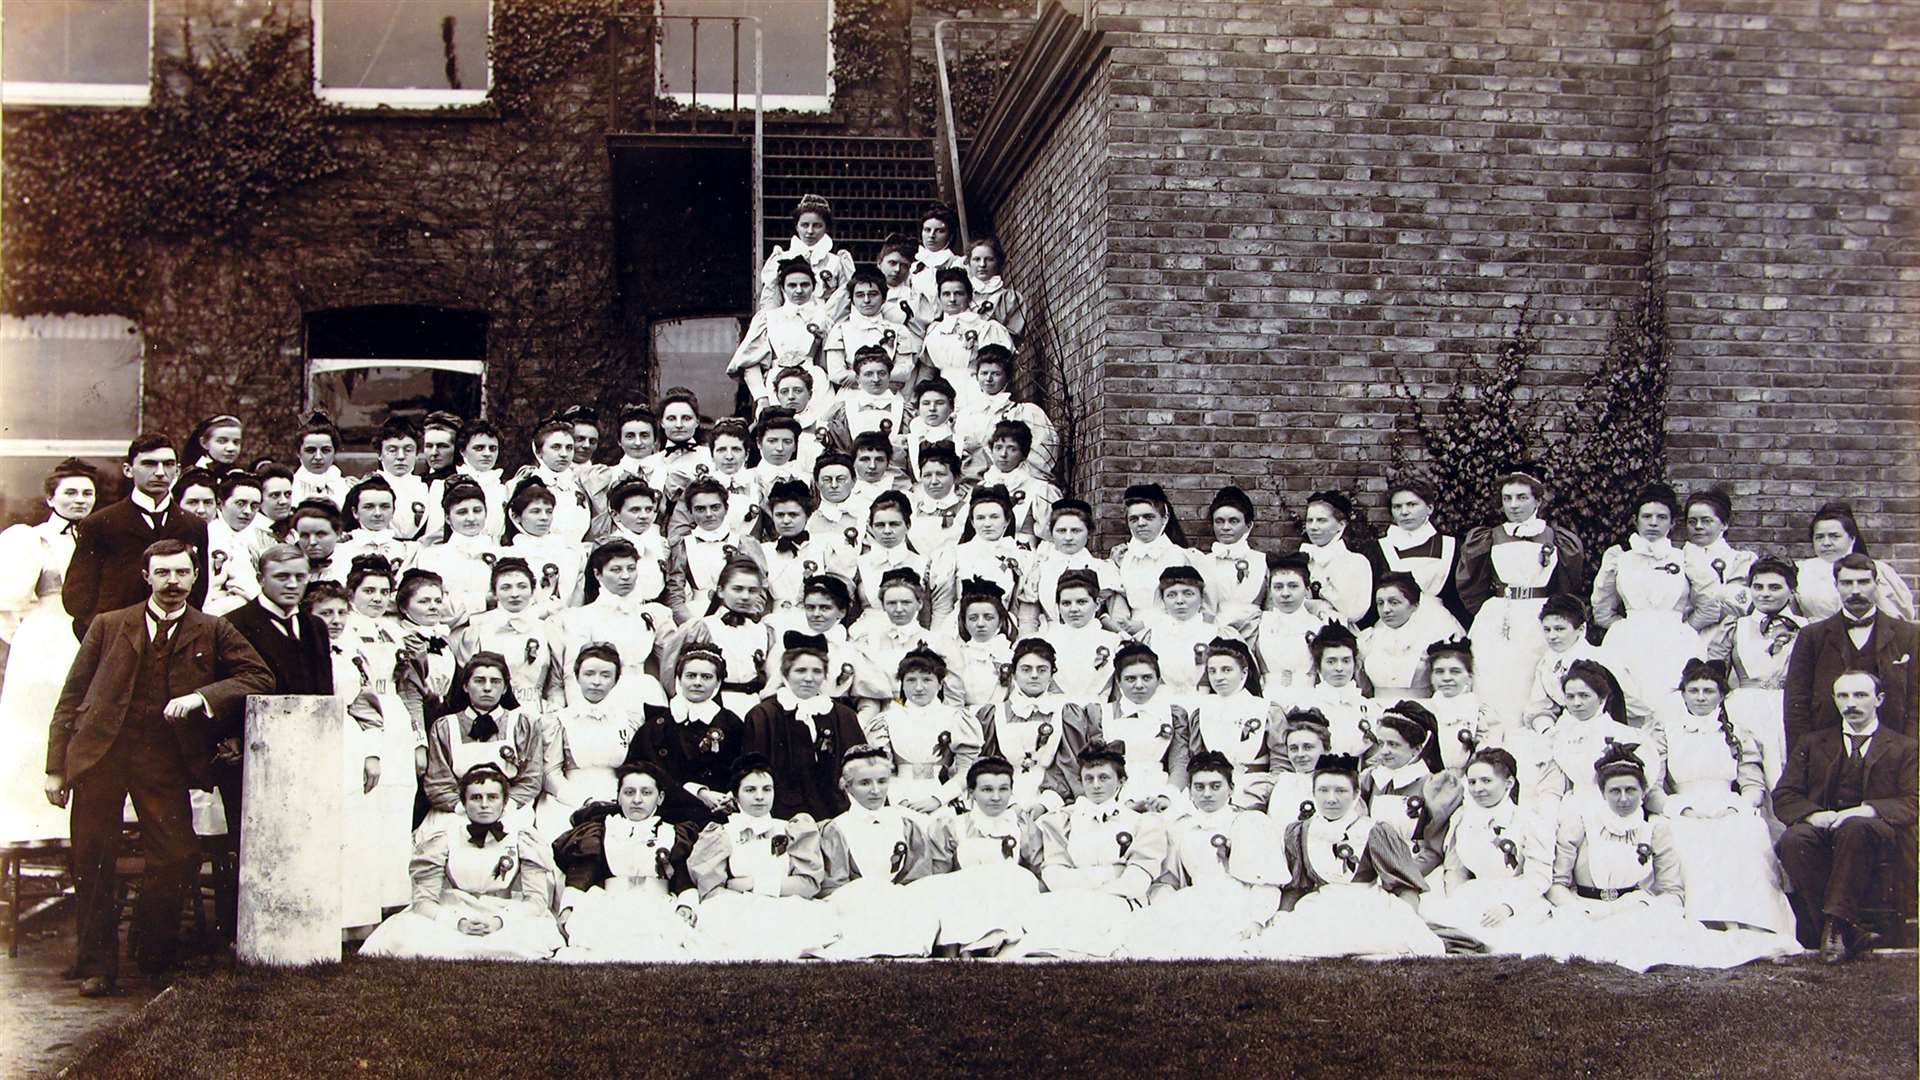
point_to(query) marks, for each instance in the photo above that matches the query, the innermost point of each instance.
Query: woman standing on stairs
(832, 267)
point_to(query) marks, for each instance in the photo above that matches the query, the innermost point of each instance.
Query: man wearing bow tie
(1859, 637)
(149, 686)
(1848, 796)
(105, 574)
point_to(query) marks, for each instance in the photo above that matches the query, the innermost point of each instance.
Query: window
(405, 54)
(798, 53)
(693, 353)
(76, 52)
(69, 387)
(368, 363)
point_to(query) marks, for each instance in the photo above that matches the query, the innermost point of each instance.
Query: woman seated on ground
(479, 893)
(1300, 743)
(986, 866)
(1617, 887)
(1399, 783)
(628, 897)
(1711, 798)
(872, 851)
(1355, 884)
(1099, 858)
(758, 874)
(1142, 716)
(1499, 860)
(1222, 879)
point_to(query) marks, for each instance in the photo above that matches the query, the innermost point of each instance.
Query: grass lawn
(1470, 1017)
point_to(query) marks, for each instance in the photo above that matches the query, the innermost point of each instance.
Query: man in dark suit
(295, 647)
(1848, 797)
(1859, 638)
(134, 719)
(104, 573)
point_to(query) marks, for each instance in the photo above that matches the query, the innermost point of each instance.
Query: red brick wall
(1787, 240)
(1306, 199)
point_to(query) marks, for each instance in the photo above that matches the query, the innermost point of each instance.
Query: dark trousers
(148, 769)
(1832, 870)
(226, 777)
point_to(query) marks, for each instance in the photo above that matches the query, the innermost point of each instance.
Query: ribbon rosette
(1509, 851)
(1344, 852)
(1645, 853)
(1221, 847)
(1125, 840)
(781, 843)
(1306, 809)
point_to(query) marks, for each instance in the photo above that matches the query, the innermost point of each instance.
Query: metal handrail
(949, 134)
(653, 20)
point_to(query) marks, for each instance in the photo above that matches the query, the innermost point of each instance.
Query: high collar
(1660, 549)
(688, 712)
(1400, 539)
(148, 505)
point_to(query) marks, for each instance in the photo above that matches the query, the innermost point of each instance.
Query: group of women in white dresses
(1384, 746)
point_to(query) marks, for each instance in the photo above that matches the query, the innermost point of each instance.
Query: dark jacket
(1819, 657)
(209, 657)
(105, 571)
(1813, 772)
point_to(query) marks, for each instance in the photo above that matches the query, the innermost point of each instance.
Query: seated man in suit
(133, 720)
(1848, 797)
(1860, 637)
(105, 571)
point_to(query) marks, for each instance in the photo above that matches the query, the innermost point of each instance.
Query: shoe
(1833, 943)
(1863, 940)
(98, 986)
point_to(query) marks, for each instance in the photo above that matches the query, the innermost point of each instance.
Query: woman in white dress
(1712, 797)
(986, 644)
(872, 851)
(480, 892)
(1412, 545)
(1756, 647)
(931, 743)
(374, 641)
(785, 335)
(833, 267)
(1355, 888)
(1653, 600)
(1708, 512)
(1283, 636)
(1393, 651)
(1221, 883)
(758, 875)
(465, 552)
(1505, 575)
(1155, 730)
(628, 897)
(1499, 860)
(986, 866)
(957, 335)
(1231, 718)
(1155, 542)
(1594, 720)
(1835, 534)
(1337, 574)
(41, 646)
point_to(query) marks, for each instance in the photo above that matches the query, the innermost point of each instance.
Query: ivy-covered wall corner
(980, 50)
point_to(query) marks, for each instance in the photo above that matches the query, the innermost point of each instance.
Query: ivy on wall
(861, 53)
(538, 41)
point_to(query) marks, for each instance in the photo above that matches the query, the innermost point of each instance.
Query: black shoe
(1861, 941)
(72, 972)
(1833, 943)
(98, 986)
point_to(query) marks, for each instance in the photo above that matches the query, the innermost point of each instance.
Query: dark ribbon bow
(1720, 570)
(1465, 735)
(794, 639)
(1416, 806)
(790, 545)
(899, 858)
(733, 618)
(484, 727)
(687, 447)
(662, 863)
(436, 645)
(1009, 847)
(1221, 848)
(781, 843)
(478, 833)
(1510, 851)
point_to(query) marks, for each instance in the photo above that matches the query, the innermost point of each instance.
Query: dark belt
(1523, 592)
(751, 686)
(1588, 892)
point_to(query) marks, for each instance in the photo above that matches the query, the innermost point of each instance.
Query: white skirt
(1507, 646)
(747, 926)
(42, 650)
(1213, 920)
(1637, 936)
(1763, 713)
(978, 905)
(1730, 871)
(879, 918)
(1653, 647)
(1074, 924)
(411, 935)
(1348, 920)
(1463, 909)
(629, 926)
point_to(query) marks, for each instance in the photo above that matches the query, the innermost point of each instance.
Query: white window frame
(85, 326)
(96, 95)
(723, 99)
(322, 365)
(374, 97)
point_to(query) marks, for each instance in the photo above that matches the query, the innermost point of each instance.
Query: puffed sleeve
(20, 564)
(755, 349)
(428, 868)
(1392, 860)
(1053, 841)
(1607, 608)
(1063, 774)
(527, 743)
(804, 859)
(533, 886)
(919, 840)
(708, 861)
(966, 743)
(1704, 606)
(1568, 836)
(1667, 883)
(943, 845)
(1656, 799)
(1180, 747)
(1144, 857)
(1473, 574)
(439, 783)
(835, 858)
(1896, 598)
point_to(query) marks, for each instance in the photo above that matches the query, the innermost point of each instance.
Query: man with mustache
(135, 719)
(1859, 637)
(1848, 798)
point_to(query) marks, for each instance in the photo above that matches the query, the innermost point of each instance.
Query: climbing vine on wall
(538, 41)
(862, 52)
(975, 74)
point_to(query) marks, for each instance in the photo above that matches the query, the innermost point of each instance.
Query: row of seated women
(1117, 829)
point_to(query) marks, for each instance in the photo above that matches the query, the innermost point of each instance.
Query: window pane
(69, 377)
(83, 41)
(403, 44)
(795, 53)
(361, 398)
(693, 353)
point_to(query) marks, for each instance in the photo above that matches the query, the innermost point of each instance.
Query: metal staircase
(876, 185)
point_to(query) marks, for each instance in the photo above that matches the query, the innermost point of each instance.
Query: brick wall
(1308, 200)
(1787, 241)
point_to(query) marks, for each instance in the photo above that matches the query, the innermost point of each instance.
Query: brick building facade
(1245, 218)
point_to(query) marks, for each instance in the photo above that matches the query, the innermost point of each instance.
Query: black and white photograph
(1005, 538)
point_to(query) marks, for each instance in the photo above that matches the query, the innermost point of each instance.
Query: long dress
(1158, 743)
(871, 857)
(626, 882)
(762, 924)
(33, 566)
(1494, 858)
(507, 877)
(1630, 906)
(1280, 644)
(581, 746)
(1220, 886)
(1757, 647)
(1726, 860)
(1338, 902)
(1236, 725)
(1098, 861)
(933, 746)
(371, 647)
(985, 870)
(1666, 601)
(1511, 569)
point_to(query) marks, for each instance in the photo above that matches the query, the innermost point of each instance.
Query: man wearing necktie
(104, 574)
(1859, 637)
(1847, 795)
(136, 719)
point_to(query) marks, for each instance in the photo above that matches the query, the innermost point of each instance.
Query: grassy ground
(1476, 1018)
